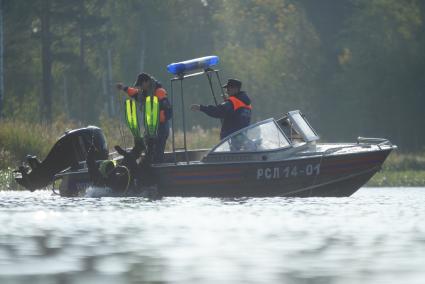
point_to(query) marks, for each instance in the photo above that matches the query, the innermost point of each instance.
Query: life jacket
(237, 103)
(160, 93)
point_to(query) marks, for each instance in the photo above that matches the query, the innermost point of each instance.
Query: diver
(106, 173)
(132, 174)
(144, 88)
(235, 110)
(139, 166)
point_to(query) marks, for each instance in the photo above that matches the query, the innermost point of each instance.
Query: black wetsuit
(233, 120)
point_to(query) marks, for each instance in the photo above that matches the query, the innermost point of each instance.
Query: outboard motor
(68, 151)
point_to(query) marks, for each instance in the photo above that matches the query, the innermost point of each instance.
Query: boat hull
(317, 176)
(330, 176)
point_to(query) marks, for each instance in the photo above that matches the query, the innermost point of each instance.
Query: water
(375, 236)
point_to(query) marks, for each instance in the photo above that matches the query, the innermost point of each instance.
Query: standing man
(144, 88)
(235, 111)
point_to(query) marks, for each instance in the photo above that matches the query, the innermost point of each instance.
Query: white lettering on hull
(288, 171)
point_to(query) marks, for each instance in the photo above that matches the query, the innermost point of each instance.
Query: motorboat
(273, 157)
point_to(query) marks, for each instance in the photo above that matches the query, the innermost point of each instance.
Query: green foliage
(116, 132)
(405, 162)
(355, 67)
(19, 138)
(6, 159)
(380, 65)
(197, 138)
(401, 170)
(277, 59)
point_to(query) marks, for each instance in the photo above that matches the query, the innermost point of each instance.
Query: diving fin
(131, 117)
(151, 119)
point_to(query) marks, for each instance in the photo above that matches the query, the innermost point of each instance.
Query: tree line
(354, 67)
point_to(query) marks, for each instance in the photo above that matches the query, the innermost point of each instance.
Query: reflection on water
(375, 236)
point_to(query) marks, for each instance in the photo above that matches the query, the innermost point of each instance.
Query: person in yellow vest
(235, 111)
(145, 87)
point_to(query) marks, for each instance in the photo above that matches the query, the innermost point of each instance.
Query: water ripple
(375, 236)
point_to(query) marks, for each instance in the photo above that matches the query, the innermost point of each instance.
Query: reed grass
(7, 182)
(405, 162)
(401, 170)
(19, 138)
(398, 178)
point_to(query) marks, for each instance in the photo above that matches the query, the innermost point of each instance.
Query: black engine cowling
(68, 151)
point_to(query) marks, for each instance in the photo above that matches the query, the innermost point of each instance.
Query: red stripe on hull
(217, 181)
(205, 173)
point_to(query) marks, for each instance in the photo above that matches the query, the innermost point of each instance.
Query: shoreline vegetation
(17, 139)
(401, 170)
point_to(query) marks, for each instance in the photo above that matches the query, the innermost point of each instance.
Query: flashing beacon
(192, 64)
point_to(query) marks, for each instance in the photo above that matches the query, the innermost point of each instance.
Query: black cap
(142, 77)
(233, 83)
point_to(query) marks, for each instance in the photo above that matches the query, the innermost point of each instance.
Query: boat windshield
(263, 136)
(302, 126)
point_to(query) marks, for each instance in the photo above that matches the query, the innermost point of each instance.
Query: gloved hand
(120, 150)
(195, 107)
(119, 86)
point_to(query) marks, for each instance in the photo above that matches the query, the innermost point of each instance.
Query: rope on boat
(120, 126)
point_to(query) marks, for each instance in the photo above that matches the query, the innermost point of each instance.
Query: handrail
(181, 77)
(375, 141)
(371, 140)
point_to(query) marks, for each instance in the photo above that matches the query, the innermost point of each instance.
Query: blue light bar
(193, 64)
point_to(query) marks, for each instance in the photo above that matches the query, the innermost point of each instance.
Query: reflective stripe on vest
(237, 103)
(151, 116)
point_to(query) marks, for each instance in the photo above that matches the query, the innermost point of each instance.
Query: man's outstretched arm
(219, 111)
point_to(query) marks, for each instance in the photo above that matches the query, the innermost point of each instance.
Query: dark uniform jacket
(235, 114)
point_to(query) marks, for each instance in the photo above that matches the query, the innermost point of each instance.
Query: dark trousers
(159, 147)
